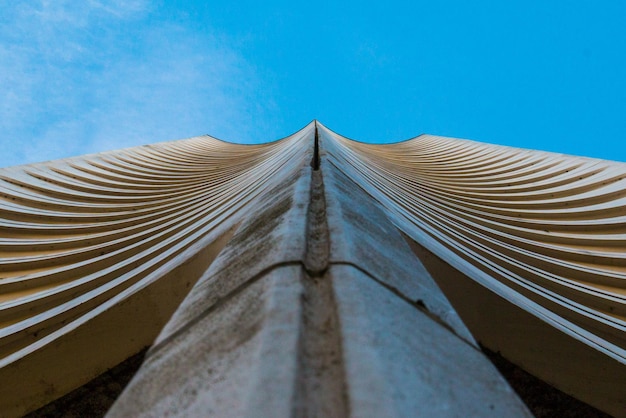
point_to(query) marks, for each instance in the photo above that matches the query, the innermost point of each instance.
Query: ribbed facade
(224, 257)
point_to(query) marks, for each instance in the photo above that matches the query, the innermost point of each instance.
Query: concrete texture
(310, 271)
(235, 337)
(363, 237)
(286, 322)
(414, 365)
(528, 246)
(98, 251)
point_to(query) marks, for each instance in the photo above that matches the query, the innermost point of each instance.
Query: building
(314, 276)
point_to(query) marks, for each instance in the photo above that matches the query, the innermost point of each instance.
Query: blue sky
(85, 76)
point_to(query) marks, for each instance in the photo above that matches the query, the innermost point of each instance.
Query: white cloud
(83, 77)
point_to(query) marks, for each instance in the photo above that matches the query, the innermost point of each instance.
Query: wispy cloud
(82, 77)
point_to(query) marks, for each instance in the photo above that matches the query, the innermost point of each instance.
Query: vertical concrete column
(316, 307)
(401, 338)
(231, 348)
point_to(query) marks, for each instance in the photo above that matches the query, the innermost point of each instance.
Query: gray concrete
(362, 236)
(316, 307)
(415, 366)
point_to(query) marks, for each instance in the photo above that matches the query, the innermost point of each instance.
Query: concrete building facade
(313, 276)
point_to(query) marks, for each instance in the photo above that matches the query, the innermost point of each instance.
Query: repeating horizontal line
(546, 231)
(78, 233)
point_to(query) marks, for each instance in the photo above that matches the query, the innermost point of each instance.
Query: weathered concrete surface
(595, 378)
(273, 235)
(236, 334)
(363, 237)
(415, 366)
(534, 240)
(537, 240)
(131, 324)
(311, 311)
(97, 252)
(225, 364)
